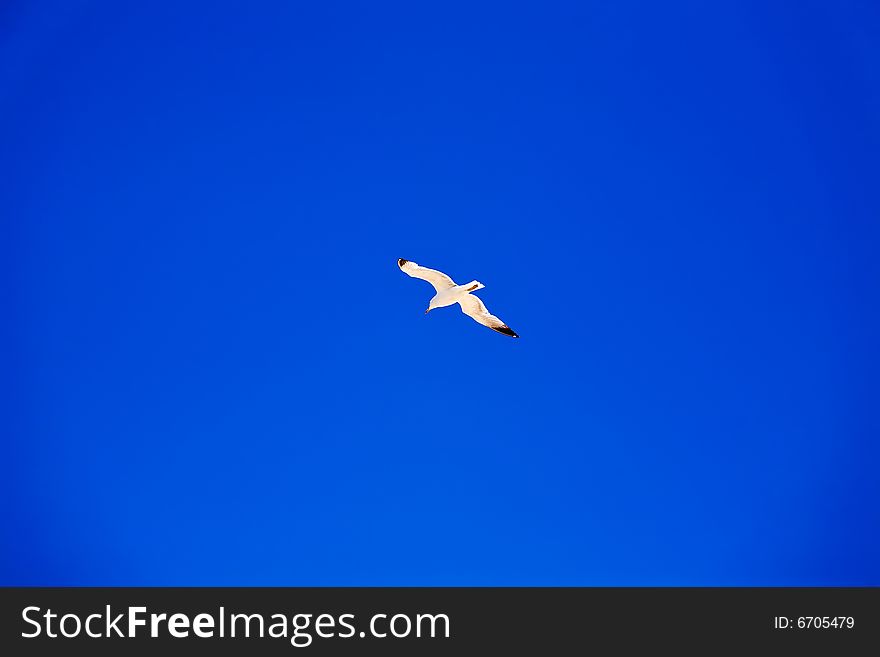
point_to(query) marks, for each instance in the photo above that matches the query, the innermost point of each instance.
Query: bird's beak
(427, 311)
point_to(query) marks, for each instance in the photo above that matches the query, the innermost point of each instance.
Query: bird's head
(431, 307)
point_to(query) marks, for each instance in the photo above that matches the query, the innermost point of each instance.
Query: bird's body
(453, 295)
(448, 294)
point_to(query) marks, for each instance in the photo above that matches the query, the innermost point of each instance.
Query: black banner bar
(331, 621)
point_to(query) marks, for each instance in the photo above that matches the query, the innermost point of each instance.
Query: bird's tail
(474, 286)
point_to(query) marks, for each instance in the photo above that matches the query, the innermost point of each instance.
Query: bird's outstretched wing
(438, 279)
(474, 307)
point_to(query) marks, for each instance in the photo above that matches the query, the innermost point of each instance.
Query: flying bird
(448, 293)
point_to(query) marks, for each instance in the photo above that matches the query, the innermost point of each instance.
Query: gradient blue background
(214, 373)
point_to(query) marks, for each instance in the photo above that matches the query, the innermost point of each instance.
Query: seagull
(449, 293)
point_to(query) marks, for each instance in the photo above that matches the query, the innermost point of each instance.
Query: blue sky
(214, 372)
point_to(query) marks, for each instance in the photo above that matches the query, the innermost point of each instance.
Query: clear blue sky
(214, 372)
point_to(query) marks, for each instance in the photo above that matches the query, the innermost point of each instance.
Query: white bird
(449, 293)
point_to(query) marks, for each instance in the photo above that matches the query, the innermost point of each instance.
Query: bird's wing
(474, 307)
(438, 279)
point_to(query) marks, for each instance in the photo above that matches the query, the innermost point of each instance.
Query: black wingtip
(506, 330)
(401, 262)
